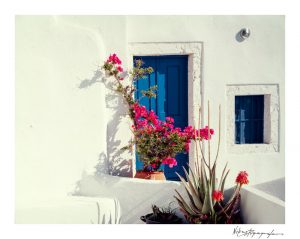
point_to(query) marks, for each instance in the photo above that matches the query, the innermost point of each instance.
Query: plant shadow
(112, 161)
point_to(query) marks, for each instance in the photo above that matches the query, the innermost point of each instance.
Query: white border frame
(195, 60)
(271, 118)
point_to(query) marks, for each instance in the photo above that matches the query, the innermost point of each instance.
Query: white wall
(268, 209)
(66, 118)
(61, 113)
(257, 60)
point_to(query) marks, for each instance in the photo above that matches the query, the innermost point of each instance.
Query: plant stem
(202, 154)
(197, 154)
(219, 139)
(208, 122)
(199, 114)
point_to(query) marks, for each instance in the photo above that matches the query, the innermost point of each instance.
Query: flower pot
(169, 219)
(154, 175)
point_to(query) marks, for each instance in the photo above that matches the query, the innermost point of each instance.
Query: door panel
(170, 75)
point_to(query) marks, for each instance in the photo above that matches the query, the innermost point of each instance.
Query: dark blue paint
(249, 119)
(171, 77)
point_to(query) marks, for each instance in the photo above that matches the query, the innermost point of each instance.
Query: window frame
(271, 118)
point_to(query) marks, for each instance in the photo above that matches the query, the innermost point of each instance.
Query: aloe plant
(205, 202)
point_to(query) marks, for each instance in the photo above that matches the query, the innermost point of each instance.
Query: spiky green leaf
(190, 187)
(194, 194)
(206, 206)
(213, 178)
(223, 181)
(222, 176)
(184, 203)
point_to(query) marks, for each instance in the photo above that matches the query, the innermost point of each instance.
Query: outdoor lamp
(245, 33)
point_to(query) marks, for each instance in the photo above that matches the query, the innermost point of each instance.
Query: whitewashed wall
(68, 122)
(257, 60)
(61, 113)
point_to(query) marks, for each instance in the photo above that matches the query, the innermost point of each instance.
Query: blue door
(170, 75)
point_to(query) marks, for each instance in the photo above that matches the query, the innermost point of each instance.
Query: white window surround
(271, 118)
(194, 52)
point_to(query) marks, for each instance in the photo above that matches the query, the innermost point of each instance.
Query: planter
(232, 216)
(150, 175)
(168, 219)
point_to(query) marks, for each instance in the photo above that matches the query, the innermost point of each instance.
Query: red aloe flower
(217, 195)
(242, 178)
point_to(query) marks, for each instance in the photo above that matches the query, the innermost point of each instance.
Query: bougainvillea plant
(159, 141)
(205, 202)
(156, 141)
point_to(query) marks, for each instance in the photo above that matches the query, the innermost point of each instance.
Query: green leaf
(213, 178)
(181, 205)
(223, 182)
(188, 186)
(206, 206)
(222, 177)
(195, 195)
(193, 176)
(192, 203)
(204, 179)
(197, 184)
(184, 203)
(210, 199)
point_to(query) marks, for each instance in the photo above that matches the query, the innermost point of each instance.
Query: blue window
(249, 119)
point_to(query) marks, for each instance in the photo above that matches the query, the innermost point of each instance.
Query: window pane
(249, 115)
(237, 132)
(246, 132)
(237, 108)
(257, 130)
(245, 107)
(258, 107)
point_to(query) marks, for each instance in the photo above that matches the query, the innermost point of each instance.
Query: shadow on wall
(111, 162)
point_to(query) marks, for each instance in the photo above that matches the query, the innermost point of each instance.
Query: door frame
(194, 51)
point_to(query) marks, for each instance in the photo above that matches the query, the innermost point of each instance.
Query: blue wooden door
(170, 75)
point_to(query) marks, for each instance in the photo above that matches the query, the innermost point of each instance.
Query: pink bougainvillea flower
(177, 130)
(141, 123)
(170, 120)
(204, 133)
(114, 59)
(190, 132)
(170, 161)
(242, 178)
(144, 112)
(152, 117)
(217, 195)
(153, 165)
(159, 128)
(119, 68)
(140, 111)
(187, 147)
(168, 125)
